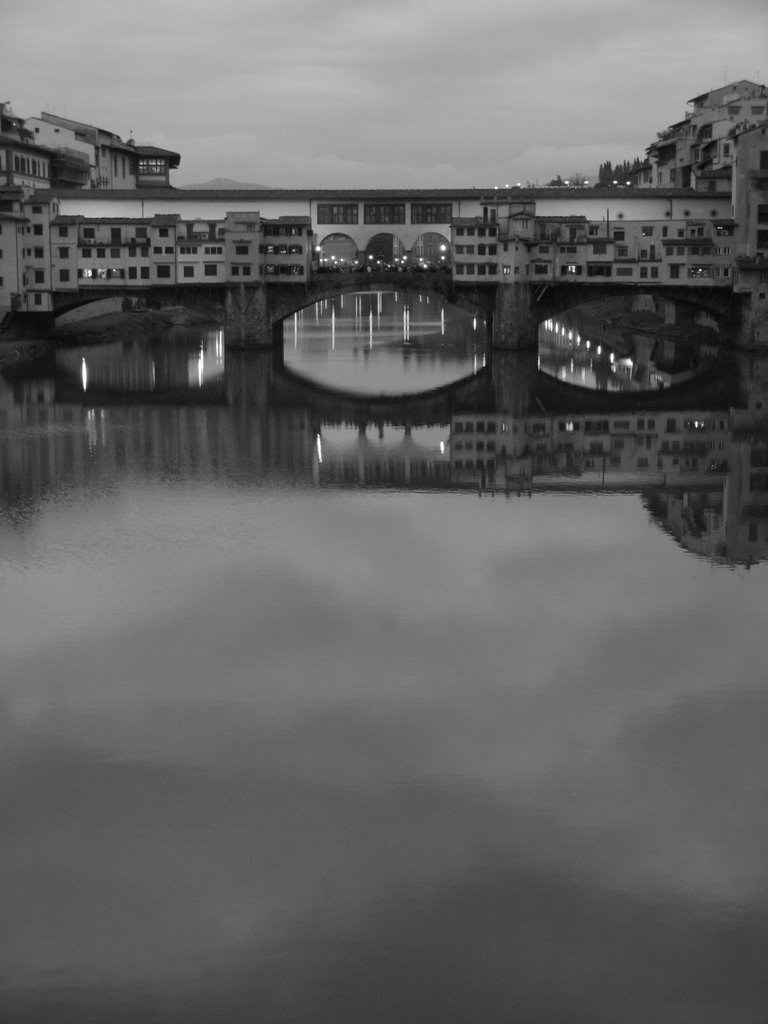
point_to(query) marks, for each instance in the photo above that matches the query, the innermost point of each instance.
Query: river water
(288, 743)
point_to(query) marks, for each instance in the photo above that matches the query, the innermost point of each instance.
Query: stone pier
(514, 324)
(245, 316)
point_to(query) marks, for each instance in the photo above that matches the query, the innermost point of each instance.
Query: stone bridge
(254, 313)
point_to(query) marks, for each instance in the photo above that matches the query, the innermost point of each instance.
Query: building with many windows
(698, 152)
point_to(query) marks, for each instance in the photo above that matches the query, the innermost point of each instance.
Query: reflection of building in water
(120, 367)
(702, 471)
(726, 523)
(390, 457)
(654, 446)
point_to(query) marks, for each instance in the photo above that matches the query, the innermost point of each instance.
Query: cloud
(379, 87)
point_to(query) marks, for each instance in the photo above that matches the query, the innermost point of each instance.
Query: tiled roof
(78, 218)
(363, 195)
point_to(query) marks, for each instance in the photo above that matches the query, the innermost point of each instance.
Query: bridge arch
(285, 300)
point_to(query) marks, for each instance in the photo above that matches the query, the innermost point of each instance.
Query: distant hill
(225, 183)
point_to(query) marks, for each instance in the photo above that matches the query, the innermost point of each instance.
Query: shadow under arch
(718, 386)
(554, 298)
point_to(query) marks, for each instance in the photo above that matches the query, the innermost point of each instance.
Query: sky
(355, 94)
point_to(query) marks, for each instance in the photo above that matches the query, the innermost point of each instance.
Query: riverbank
(110, 327)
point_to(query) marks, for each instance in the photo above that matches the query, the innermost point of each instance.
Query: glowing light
(84, 374)
(319, 446)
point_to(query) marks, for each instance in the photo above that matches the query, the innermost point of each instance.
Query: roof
(563, 218)
(79, 218)
(174, 159)
(298, 218)
(327, 195)
(730, 85)
(12, 140)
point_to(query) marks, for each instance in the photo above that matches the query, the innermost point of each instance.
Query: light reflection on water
(384, 342)
(277, 752)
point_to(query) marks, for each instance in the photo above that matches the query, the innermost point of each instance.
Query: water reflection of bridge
(698, 452)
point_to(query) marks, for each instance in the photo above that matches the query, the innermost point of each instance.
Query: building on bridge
(699, 220)
(51, 151)
(699, 150)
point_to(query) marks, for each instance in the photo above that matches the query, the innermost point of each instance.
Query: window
(187, 271)
(210, 269)
(338, 213)
(162, 232)
(87, 252)
(63, 232)
(213, 250)
(151, 167)
(431, 213)
(599, 248)
(89, 232)
(164, 270)
(384, 213)
(646, 230)
(241, 250)
(132, 273)
(144, 273)
(619, 236)
(64, 275)
(37, 229)
(101, 254)
(114, 254)
(39, 277)
(39, 253)
(63, 252)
